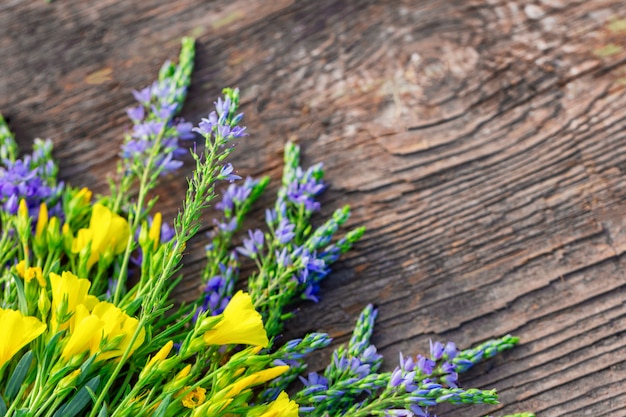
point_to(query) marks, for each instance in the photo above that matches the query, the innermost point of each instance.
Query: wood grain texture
(482, 143)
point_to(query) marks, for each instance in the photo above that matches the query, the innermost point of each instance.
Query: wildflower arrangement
(87, 325)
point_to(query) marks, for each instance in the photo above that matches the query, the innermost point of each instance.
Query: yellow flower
(281, 407)
(107, 331)
(68, 288)
(119, 328)
(255, 379)
(86, 334)
(107, 232)
(194, 398)
(16, 331)
(241, 323)
(31, 272)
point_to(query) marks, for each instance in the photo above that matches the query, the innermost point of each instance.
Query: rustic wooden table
(482, 143)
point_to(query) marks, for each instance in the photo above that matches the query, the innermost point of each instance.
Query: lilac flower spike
(155, 131)
(33, 179)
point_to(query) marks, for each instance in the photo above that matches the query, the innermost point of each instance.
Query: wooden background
(482, 144)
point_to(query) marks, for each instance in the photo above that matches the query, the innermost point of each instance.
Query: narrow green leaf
(161, 410)
(18, 376)
(21, 296)
(3, 407)
(103, 411)
(83, 397)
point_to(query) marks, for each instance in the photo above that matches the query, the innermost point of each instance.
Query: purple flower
(227, 227)
(253, 245)
(315, 382)
(283, 257)
(136, 114)
(284, 231)
(222, 107)
(165, 111)
(270, 216)
(425, 365)
(305, 187)
(451, 379)
(12, 204)
(153, 117)
(226, 173)
(205, 127)
(184, 130)
(217, 292)
(236, 194)
(436, 350)
(148, 129)
(32, 180)
(142, 96)
(451, 350)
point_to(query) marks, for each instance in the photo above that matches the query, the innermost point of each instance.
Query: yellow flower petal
(16, 331)
(22, 210)
(194, 398)
(107, 232)
(86, 335)
(42, 221)
(241, 323)
(155, 229)
(281, 407)
(67, 287)
(21, 268)
(161, 355)
(119, 328)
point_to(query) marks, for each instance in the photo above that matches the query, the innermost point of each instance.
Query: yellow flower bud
(84, 195)
(68, 238)
(179, 380)
(42, 222)
(43, 304)
(53, 234)
(68, 380)
(22, 211)
(155, 230)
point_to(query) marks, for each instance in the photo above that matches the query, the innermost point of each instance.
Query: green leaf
(18, 376)
(3, 407)
(103, 411)
(83, 397)
(21, 296)
(162, 409)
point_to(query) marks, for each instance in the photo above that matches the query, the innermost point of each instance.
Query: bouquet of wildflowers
(87, 325)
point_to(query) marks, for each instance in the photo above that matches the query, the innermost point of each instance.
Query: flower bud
(144, 237)
(68, 381)
(43, 304)
(53, 234)
(68, 238)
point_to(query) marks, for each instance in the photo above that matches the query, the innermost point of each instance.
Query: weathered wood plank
(481, 143)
